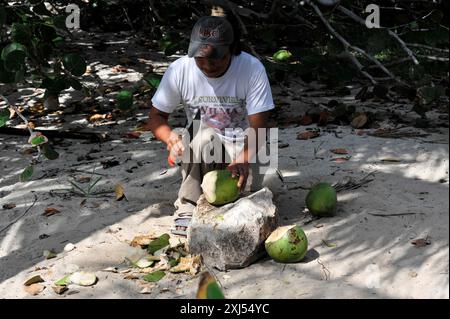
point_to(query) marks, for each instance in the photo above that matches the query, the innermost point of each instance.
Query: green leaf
(27, 173)
(153, 79)
(20, 33)
(13, 57)
(58, 41)
(38, 139)
(174, 262)
(155, 276)
(4, 116)
(124, 100)
(75, 64)
(158, 243)
(49, 152)
(64, 281)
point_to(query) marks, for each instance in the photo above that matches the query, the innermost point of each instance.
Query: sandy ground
(365, 251)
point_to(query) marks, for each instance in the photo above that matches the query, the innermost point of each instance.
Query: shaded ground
(357, 254)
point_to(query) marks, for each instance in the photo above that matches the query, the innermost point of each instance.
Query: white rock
(69, 247)
(232, 236)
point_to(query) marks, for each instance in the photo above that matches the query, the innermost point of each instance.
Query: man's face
(213, 68)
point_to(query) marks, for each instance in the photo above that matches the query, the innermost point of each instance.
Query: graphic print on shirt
(221, 112)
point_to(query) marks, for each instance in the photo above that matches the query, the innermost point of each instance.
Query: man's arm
(240, 166)
(158, 124)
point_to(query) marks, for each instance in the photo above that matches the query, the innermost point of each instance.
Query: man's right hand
(175, 145)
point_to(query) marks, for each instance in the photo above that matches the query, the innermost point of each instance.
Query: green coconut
(287, 244)
(321, 200)
(219, 187)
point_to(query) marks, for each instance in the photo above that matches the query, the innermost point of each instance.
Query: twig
(153, 8)
(423, 46)
(391, 33)
(26, 211)
(345, 43)
(18, 113)
(433, 58)
(397, 214)
(325, 270)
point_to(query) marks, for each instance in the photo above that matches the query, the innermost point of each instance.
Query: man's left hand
(241, 170)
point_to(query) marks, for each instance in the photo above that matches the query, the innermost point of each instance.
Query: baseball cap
(211, 37)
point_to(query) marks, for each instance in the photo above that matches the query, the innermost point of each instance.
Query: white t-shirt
(224, 102)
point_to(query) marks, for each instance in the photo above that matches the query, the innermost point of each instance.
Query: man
(228, 91)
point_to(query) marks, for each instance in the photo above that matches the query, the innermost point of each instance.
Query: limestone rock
(233, 235)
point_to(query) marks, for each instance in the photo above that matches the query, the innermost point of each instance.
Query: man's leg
(192, 172)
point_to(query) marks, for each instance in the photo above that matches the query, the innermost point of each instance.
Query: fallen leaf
(83, 179)
(82, 278)
(208, 287)
(306, 120)
(119, 69)
(64, 281)
(323, 118)
(155, 276)
(49, 211)
(133, 134)
(59, 289)
(191, 264)
(97, 117)
(412, 274)
(160, 242)
(48, 254)
(328, 244)
(340, 159)
(34, 289)
(33, 280)
(110, 269)
(142, 240)
(131, 277)
(120, 192)
(144, 263)
(147, 289)
(359, 121)
(9, 206)
(308, 135)
(421, 242)
(340, 151)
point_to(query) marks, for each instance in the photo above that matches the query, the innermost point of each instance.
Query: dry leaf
(143, 240)
(9, 206)
(306, 120)
(120, 192)
(147, 289)
(60, 289)
(323, 118)
(421, 242)
(307, 135)
(33, 280)
(97, 117)
(49, 211)
(34, 289)
(111, 269)
(191, 264)
(119, 69)
(49, 254)
(82, 278)
(412, 274)
(359, 121)
(131, 277)
(340, 159)
(340, 151)
(31, 125)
